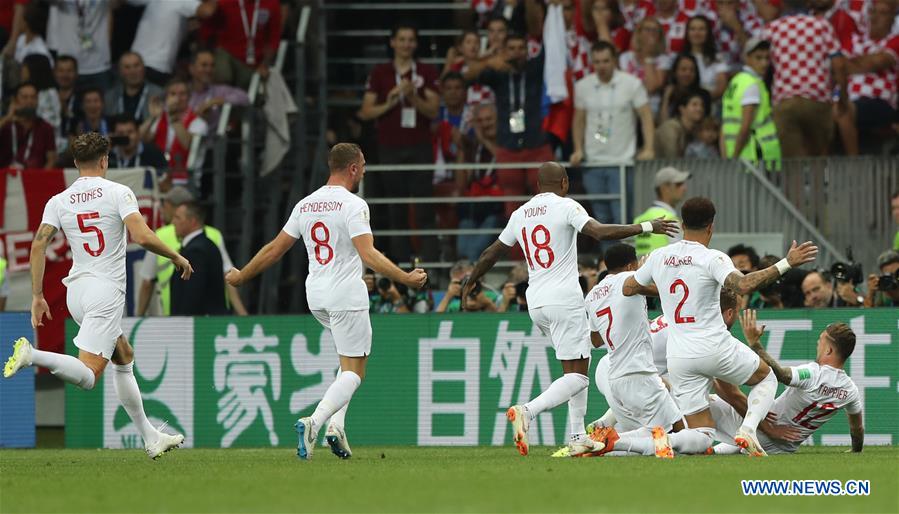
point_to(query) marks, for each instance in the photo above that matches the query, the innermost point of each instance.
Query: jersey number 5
(90, 228)
(680, 305)
(321, 236)
(544, 246)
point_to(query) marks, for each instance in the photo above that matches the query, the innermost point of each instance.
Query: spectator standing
(497, 30)
(479, 183)
(132, 94)
(246, 34)
(173, 125)
(683, 80)
(130, 151)
(674, 23)
(204, 293)
(207, 98)
(647, 60)
(36, 69)
(401, 96)
(701, 45)
(161, 30)
(604, 128)
(448, 129)
(748, 131)
(603, 21)
(26, 141)
(81, 29)
(517, 83)
(31, 41)
(92, 118)
(734, 26)
(883, 290)
(671, 187)
(466, 49)
(673, 136)
(65, 72)
(635, 11)
(12, 23)
(804, 51)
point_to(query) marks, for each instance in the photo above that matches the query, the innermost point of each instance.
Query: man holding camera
(128, 151)
(26, 140)
(883, 290)
(821, 291)
(480, 300)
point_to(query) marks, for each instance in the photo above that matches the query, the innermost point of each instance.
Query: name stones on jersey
(86, 196)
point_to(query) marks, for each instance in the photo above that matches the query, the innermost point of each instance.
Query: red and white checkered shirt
(728, 45)
(883, 84)
(635, 12)
(697, 7)
(801, 48)
(675, 29)
(578, 55)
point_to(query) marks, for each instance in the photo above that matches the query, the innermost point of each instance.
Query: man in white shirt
(93, 213)
(546, 228)
(815, 391)
(689, 277)
(334, 224)
(604, 129)
(81, 29)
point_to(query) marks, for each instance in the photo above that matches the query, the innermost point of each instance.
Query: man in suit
(204, 294)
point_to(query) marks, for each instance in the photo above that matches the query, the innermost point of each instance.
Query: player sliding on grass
(689, 277)
(546, 227)
(93, 213)
(815, 392)
(334, 224)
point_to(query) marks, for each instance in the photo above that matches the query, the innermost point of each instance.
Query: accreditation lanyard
(249, 30)
(399, 79)
(140, 103)
(516, 105)
(407, 113)
(15, 144)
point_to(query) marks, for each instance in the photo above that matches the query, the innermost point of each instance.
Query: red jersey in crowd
(883, 84)
(237, 22)
(381, 80)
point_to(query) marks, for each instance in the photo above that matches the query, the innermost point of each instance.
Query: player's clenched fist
(663, 226)
(804, 253)
(183, 266)
(416, 278)
(233, 277)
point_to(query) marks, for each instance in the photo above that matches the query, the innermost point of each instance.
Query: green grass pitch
(404, 479)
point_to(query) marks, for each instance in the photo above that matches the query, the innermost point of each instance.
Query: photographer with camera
(883, 290)
(390, 300)
(128, 151)
(480, 299)
(829, 289)
(26, 140)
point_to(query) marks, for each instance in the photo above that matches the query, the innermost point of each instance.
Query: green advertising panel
(431, 379)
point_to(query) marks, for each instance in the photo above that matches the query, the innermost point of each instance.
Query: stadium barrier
(17, 428)
(431, 379)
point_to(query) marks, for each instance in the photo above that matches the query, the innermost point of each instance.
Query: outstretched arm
(856, 431)
(264, 258)
(377, 261)
(144, 236)
(486, 261)
(753, 334)
(601, 231)
(797, 256)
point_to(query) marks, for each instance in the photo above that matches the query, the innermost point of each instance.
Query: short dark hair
(403, 25)
(514, 35)
(602, 46)
(131, 52)
(88, 90)
(499, 18)
(67, 58)
(748, 251)
(40, 73)
(342, 155)
(122, 119)
(90, 147)
(683, 100)
(698, 213)
(843, 338)
(619, 255)
(23, 85)
(728, 299)
(195, 210)
(196, 53)
(173, 82)
(452, 75)
(768, 261)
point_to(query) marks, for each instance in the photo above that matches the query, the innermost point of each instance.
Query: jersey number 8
(321, 243)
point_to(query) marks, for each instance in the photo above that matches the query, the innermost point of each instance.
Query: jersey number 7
(607, 312)
(90, 228)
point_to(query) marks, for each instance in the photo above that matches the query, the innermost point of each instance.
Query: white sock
(129, 396)
(726, 449)
(636, 441)
(336, 397)
(692, 440)
(608, 419)
(561, 390)
(339, 417)
(577, 409)
(759, 401)
(66, 367)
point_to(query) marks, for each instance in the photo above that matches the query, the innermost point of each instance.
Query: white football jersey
(91, 214)
(546, 227)
(815, 394)
(689, 277)
(622, 323)
(658, 334)
(327, 221)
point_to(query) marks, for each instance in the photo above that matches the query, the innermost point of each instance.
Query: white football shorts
(691, 378)
(566, 327)
(97, 306)
(351, 331)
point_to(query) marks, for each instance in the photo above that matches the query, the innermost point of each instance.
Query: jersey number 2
(680, 305)
(90, 228)
(321, 243)
(544, 246)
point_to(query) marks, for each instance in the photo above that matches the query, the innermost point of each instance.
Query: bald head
(552, 178)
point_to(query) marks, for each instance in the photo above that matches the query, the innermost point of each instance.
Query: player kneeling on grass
(333, 222)
(622, 435)
(93, 213)
(546, 228)
(815, 392)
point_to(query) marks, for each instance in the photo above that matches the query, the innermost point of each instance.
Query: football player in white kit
(814, 393)
(93, 213)
(689, 276)
(334, 224)
(546, 227)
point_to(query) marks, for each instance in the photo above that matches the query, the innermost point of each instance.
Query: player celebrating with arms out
(93, 213)
(334, 224)
(689, 276)
(546, 227)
